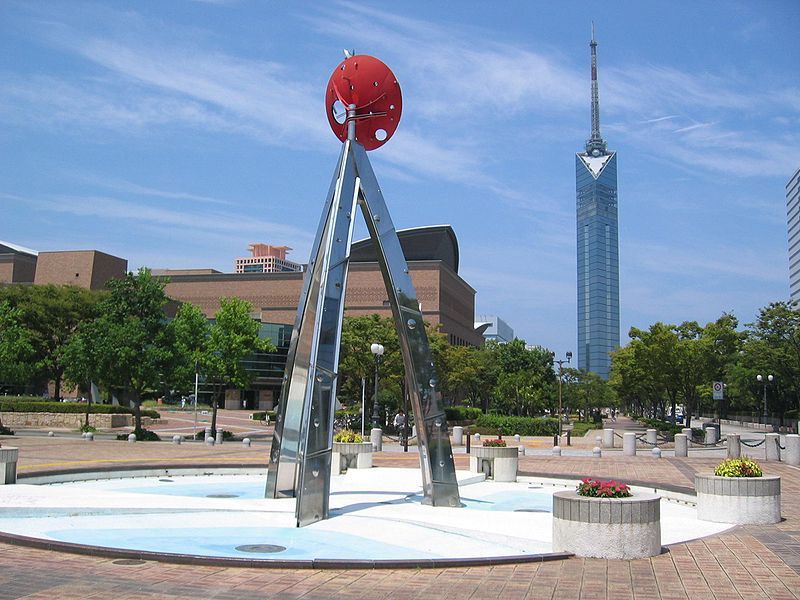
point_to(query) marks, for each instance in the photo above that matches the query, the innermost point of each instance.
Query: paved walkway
(746, 562)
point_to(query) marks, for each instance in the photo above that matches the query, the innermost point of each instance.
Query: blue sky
(175, 133)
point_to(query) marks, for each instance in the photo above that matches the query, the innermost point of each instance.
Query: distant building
(17, 264)
(793, 219)
(267, 259)
(88, 269)
(598, 245)
(494, 328)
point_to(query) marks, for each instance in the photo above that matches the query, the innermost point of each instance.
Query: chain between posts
(756, 445)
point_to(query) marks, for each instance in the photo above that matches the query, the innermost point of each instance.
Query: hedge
(462, 413)
(29, 406)
(518, 425)
(263, 414)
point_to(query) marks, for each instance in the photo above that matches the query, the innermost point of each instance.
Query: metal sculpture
(364, 103)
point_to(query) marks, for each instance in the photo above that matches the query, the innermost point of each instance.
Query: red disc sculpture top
(369, 84)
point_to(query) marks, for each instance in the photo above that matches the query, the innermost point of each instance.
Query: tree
(127, 345)
(52, 314)
(232, 337)
(16, 350)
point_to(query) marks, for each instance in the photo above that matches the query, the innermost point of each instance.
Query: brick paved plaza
(745, 562)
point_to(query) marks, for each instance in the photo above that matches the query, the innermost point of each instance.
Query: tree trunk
(214, 406)
(137, 413)
(57, 386)
(88, 406)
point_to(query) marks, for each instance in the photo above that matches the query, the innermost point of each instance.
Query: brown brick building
(84, 268)
(17, 264)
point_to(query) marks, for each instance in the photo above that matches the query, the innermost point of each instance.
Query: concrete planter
(611, 528)
(740, 500)
(499, 463)
(8, 465)
(351, 456)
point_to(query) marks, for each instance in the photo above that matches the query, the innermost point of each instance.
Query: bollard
(598, 440)
(458, 435)
(569, 437)
(51, 434)
(556, 450)
(209, 440)
(517, 438)
(681, 445)
(597, 452)
(608, 438)
(687, 431)
(8, 465)
(711, 435)
(219, 436)
(176, 439)
(131, 437)
(555, 440)
(89, 436)
(629, 444)
(476, 438)
(208, 433)
(734, 445)
(792, 454)
(376, 437)
(83, 434)
(772, 446)
(246, 442)
(656, 452)
(469, 437)
(651, 436)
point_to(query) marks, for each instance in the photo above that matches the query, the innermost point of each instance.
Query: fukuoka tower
(598, 245)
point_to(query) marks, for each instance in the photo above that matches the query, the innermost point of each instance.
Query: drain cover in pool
(260, 548)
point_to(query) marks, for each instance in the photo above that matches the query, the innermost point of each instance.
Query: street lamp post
(560, 373)
(765, 381)
(377, 351)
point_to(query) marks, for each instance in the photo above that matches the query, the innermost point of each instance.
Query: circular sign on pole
(718, 389)
(367, 83)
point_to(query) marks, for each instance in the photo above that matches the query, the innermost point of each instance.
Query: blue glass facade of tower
(598, 261)
(598, 245)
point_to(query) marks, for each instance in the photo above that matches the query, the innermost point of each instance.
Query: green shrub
(738, 467)
(462, 413)
(142, 435)
(509, 425)
(260, 415)
(348, 436)
(582, 427)
(5, 430)
(87, 428)
(226, 435)
(69, 407)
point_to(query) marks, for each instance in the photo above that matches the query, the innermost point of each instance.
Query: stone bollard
(458, 435)
(772, 446)
(711, 435)
(597, 452)
(89, 436)
(556, 450)
(246, 442)
(476, 438)
(792, 454)
(83, 435)
(681, 445)
(376, 437)
(734, 445)
(176, 439)
(517, 439)
(608, 438)
(210, 440)
(598, 440)
(656, 452)
(651, 437)
(629, 444)
(131, 438)
(8, 465)
(51, 434)
(219, 436)
(208, 433)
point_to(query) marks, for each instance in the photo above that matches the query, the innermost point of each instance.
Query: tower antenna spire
(595, 145)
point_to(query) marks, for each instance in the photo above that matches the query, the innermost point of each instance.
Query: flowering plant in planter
(348, 436)
(738, 467)
(498, 443)
(594, 488)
